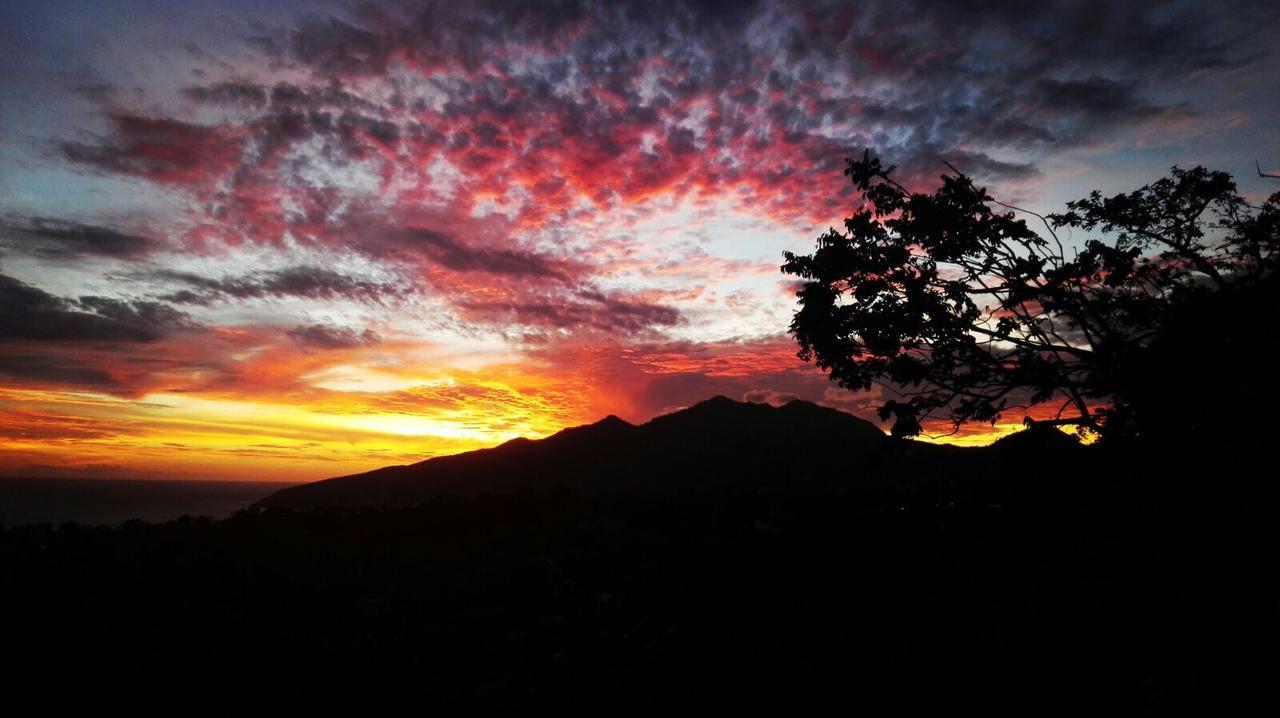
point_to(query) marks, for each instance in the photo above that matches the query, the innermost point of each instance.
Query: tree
(953, 303)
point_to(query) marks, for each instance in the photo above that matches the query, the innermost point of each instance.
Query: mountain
(717, 442)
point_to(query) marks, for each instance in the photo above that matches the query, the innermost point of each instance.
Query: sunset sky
(287, 241)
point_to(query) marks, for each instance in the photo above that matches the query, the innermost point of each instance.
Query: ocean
(111, 502)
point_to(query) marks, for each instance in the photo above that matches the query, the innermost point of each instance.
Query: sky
(288, 241)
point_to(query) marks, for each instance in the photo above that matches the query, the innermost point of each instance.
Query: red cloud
(161, 149)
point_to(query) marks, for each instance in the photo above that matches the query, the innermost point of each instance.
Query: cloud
(96, 91)
(779, 74)
(129, 348)
(586, 310)
(626, 100)
(27, 312)
(323, 336)
(449, 253)
(332, 95)
(303, 281)
(641, 379)
(57, 238)
(60, 371)
(229, 93)
(163, 318)
(548, 114)
(46, 426)
(114, 345)
(769, 396)
(333, 46)
(160, 149)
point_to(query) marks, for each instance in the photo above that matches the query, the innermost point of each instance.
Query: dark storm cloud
(381, 131)
(791, 87)
(587, 310)
(334, 46)
(630, 315)
(1046, 114)
(96, 91)
(939, 77)
(323, 336)
(56, 370)
(229, 93)
(58, 238)
(1102, 99)
(1002, 74)
(30, 313)
(929, 159)
(450, 253)
(160, 149)
(346, 135)
(161, 317)
(331, 95)
(302, 281)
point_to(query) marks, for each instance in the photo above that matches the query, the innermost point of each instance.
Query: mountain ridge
(715, 443)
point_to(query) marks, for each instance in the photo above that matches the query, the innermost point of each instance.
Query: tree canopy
(958, 308)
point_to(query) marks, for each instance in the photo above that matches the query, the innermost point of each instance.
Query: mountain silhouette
(718, 442)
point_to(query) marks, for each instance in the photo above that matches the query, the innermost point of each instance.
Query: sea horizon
(28, 501)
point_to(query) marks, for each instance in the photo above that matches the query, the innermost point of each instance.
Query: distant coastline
(111, 502)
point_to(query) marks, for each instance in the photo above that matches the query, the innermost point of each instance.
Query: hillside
(714, 443)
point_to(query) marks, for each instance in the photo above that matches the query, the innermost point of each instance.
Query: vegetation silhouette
(957, 307)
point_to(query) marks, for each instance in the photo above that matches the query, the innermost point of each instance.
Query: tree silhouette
(953, 303)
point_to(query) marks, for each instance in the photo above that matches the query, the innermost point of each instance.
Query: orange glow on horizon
(324, 433)
(271, 438)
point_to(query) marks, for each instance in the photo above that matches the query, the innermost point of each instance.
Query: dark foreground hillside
(1083, 582)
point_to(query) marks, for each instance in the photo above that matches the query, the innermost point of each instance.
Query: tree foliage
(953, 303)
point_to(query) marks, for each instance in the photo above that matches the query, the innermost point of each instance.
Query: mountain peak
(719, 400)
(714, 442)
(612, 420)
(610, 425)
